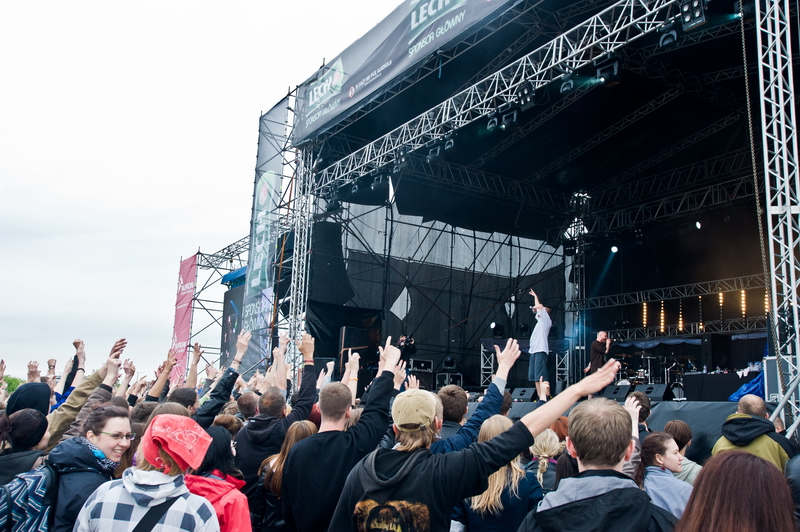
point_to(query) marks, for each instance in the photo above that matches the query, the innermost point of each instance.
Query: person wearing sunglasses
(87, 461)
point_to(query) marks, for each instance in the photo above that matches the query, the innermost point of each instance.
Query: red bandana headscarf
(180, 436)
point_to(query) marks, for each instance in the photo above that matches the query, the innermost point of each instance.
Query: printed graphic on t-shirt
(392, 516)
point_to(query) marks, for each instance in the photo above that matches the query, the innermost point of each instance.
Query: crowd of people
(106, 451)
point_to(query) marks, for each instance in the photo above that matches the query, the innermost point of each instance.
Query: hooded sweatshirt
(418, 490)
(263, 435)
(222, 491)
(121, 504)
(598, 501)
(756, 435)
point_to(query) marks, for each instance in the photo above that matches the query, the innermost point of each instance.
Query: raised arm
(351, 373)
(191, 379)
(279, 361)
(155, 392)
(536, 304)
(128, 371)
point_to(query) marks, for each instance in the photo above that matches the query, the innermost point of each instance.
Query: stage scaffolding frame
(605, 32)
(780, 157)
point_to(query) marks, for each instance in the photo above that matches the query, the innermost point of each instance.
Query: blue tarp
(230, 277)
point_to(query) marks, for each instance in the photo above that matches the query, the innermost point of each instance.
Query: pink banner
(182, 331)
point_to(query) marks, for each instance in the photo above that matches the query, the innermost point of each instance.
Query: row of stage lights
(721, 298)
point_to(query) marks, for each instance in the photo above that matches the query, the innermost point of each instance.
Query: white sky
(128, 136)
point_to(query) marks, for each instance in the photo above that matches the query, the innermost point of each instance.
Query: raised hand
(33, 371)
(80, 352)
(306, 346)
(118, 347)
(242, 342)
(599, 379)
(390, 354)
(412, 382)
(2, 369)
(399, 375)
(172, 359)
(353, 362)
(128, 368)
(211, 372)
(508, 355)
(197, 352)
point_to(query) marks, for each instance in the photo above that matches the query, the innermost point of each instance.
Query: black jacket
(597, 501)
(263, 435)
(219, 397)
(80, 474)
(12, 464)
(410, 488)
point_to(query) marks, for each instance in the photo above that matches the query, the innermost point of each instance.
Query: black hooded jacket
(80, 474)
(263, 435)
(755, 435)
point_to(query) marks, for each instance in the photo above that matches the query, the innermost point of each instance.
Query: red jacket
(230, 504)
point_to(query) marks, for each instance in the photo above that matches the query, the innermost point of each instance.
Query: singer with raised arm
(598, 352)
(537, 369)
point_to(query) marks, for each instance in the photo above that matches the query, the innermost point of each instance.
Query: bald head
(752, 405)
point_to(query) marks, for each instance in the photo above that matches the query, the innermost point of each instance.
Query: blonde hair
(545, 447)
(507, 476)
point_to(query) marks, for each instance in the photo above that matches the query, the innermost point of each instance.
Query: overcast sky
(128, 135)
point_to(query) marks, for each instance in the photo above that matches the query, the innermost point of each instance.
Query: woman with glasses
(89, 460)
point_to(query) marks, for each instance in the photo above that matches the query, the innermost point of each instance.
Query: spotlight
(698, 225)
(492, 325)
(449, 363)
(607, 69)
(508, 120)
(669, 35)
(400, 159)
(379, 182)
(567, 84)
(526, 96)
(434, 153)
(498, 331)
(614, 249)
(494, 121)
(449, 141)
(693, 13)
(354, 189)
(333, 205)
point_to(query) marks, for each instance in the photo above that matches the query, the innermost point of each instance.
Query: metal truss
(779, 137)
(609, 30)
(734, 284)
(450, 175)
(670, 207)
(676, 148)
(487, 366)
(737, 163)
(742, 325)
(632, 118)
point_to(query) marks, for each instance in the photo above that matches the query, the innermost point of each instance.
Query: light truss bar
(678, 147)
(779, 137)
(229, 258)
(734, 284)
(623, 22)
(671, 206)
(613, 129)
(737, 163)
(742, 325)
(450, 175)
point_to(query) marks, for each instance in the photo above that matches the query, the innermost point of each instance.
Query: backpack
(26, 501)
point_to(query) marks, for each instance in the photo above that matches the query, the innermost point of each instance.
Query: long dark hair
(219, 455)
(655, 443)
(738, 491)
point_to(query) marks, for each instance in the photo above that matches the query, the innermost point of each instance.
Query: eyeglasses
(119, 435)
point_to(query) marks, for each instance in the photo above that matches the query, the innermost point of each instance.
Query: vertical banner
(259, 296)
(182, 330)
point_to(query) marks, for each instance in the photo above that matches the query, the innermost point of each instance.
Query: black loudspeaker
(715, 350)
(617, 392)
(328, 280)
(425, 379)
(656, 392)
(523, 394)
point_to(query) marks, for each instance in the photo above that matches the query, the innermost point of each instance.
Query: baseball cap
(413, 407)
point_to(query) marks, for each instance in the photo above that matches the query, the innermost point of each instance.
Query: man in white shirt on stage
(537, 370)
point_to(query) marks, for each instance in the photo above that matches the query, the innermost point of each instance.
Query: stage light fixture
(692, 13)
(333, 205)
(668, 35)
(494, 121)
(570, 248)
(400, 159)
(498, 331)
(567, 84)
(434, 153)
(354, 189)
(492, 325)
(508, 120)
(449, 141)
(614, 249)
(526, 96)
(607, 69)
(698, 225)
(379, 182)
(449, 363)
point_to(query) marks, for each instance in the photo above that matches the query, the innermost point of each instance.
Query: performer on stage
(406, 346)
(537, 369)
(598, 352)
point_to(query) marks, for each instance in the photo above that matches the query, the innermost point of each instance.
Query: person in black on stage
(598, 352)
(406, 346)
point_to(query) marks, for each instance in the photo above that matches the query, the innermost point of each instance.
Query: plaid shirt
(118, 506)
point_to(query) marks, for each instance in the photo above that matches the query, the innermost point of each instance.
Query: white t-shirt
(540, 332)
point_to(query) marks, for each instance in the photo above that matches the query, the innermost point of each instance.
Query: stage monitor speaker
(425, 379)
(617, 392)
(522, 394)
(656, 392)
